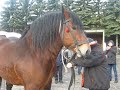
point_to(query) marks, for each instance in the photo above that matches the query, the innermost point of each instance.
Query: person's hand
(108, 47)
(69, 65)
(106, 56)
(110, 44)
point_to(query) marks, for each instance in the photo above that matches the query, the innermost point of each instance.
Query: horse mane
(45, 29)
(24, 33)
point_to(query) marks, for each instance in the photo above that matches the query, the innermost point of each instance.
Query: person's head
(110, 43)
(92, 41)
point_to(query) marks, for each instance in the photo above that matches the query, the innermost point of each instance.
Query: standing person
(59, 69)
(111, 51)
(79, 69)
(95, 75)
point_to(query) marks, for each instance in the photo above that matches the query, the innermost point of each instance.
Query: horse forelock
(45, 29)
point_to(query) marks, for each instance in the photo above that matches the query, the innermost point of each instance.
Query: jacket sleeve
(113, 50)
(94, 59)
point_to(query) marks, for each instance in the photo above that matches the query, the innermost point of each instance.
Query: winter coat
(95, 72)
(111, 55)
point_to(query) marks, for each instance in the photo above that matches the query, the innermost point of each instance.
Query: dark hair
(111, 42)
(90, 40)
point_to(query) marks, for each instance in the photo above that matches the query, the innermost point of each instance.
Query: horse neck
(56, 46)
(53, 50)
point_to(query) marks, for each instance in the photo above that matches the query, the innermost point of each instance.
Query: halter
(76, 42)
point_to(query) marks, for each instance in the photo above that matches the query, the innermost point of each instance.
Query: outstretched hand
(108, 47)
(69, 65)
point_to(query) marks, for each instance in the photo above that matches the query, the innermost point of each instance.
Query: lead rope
(63, 51)
(72, 68)
(72, 78)
(72, 74)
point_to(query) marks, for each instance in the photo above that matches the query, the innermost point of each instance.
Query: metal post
(104, 46)
(117, 41)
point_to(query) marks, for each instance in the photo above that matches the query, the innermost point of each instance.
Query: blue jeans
(79, 69)
(58, 73)
(110, 66)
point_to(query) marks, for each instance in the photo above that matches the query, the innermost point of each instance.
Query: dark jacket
(59, 59)
(95, 73)
(111, 55)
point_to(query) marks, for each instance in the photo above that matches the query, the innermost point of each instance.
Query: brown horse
(30, 61)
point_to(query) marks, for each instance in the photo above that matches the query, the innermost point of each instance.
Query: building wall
(97, 35)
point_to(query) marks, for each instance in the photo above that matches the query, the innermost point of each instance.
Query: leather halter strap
(76, 42)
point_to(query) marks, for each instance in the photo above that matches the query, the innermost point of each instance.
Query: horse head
(73, 37)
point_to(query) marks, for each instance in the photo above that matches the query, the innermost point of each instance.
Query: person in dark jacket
(95, 68)
(59, 68)
(111, 51)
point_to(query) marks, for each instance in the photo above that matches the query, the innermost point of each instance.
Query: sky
(2, 3)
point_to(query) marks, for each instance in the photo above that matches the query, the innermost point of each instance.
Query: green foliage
(111, 19)
(68, 3)
(7, 14)
(53, 5)
(14, 20)
(38, 8)
(89, 12)
(5, 18)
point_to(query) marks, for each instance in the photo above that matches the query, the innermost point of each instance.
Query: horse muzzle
(83, 50)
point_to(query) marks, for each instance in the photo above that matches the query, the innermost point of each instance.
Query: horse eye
(74, 28)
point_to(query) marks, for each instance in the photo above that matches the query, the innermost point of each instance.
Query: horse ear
(65, 13)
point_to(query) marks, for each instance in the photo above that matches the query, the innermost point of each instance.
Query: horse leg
(48, 86)
(0, 82)
(9, 86)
